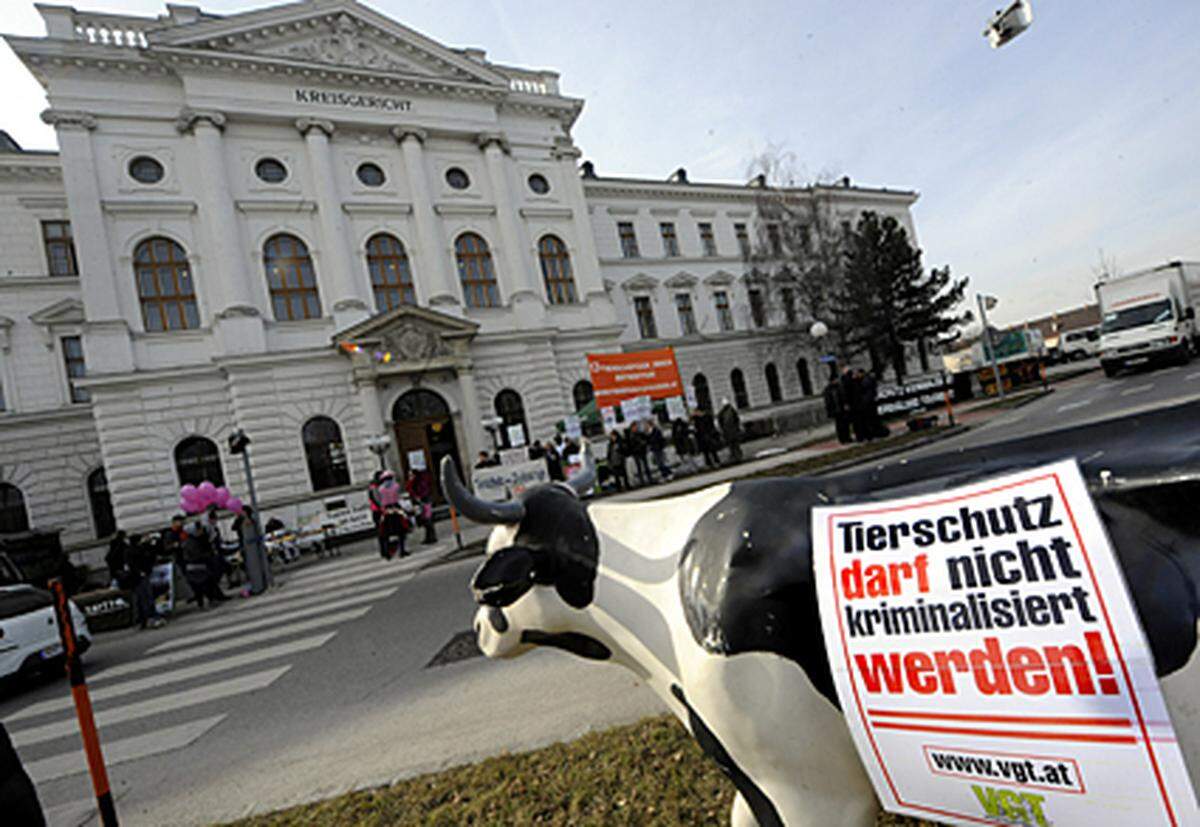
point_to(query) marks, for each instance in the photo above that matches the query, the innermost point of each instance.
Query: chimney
(679, 176)
(758, 181)
(476, 54)
(587, 170)
(182, 15)
(846, 181)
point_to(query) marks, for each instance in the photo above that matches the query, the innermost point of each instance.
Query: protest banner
(416, 460)
(675, 408)
(620, 376)
(610, 419)
(911, 396)
(637, 408)
(516, 435)
(513, 456)
(507, 481)
(989, 660)
(573, 427)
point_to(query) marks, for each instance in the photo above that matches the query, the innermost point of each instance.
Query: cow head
(540, 567)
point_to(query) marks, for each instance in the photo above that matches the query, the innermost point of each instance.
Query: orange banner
(620, 376)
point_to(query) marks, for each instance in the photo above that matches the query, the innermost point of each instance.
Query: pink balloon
(234, 505)
(223, 496)
(206, 487)
(187, 490)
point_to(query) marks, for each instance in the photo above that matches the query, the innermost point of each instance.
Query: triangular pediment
(65, 311)
(340, 33)
(393, 325)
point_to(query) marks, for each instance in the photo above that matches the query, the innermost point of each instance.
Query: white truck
(1149, 316)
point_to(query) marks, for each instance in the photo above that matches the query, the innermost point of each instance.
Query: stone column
(225, 278)
(346, 292)
(436, 272)
(585, 264)
(106, 338)
(524, 283)
(472, 421)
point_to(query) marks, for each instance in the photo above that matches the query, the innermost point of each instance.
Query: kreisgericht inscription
(354, 100)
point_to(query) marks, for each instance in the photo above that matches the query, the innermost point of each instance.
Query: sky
(1080, 136)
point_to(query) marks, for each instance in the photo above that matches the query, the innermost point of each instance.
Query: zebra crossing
(183, 686)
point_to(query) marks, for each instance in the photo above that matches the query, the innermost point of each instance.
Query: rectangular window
(724, 313)
(687, 316)
(645, 317)
(670, 242)
(72, 349)
(628, 236)
(60, 248)
(758, 311)
(708, 242)
(775, 239)
(743, 239)
(788, 297)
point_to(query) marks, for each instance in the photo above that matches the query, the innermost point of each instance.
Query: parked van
(1082, 343)
(1149, 317)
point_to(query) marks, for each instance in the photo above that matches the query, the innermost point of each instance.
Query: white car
(29, 639)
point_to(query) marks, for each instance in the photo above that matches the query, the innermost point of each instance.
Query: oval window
(371, 175)
(271, 171)
(457, 179)
(539, 184)
(145, 170)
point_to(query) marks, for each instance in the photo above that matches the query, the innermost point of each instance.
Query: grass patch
(648, 773)
(1012, 401)
(863, 450)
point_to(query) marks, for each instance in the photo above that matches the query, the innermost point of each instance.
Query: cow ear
(504, 577)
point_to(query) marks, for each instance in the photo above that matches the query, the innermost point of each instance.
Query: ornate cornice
(64, 119)
(486, 139)
(188, 118)
(305, 125)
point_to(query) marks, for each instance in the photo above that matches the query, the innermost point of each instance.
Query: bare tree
(1105, 267)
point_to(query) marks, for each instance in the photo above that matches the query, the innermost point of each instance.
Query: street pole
(254, 505)
(991, 348)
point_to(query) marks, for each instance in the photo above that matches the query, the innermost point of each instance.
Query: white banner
(516, 435)
(416, 460)
(989, 660)
(508, 481)
(690, 393)
(573, 427)
(513, 456)
(610, 419)
(637, 408)
(675, 408)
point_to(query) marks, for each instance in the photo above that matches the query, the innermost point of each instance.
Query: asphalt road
(1084, 399)
(318, 687)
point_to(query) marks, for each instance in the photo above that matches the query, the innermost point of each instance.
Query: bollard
(83, 707)
(454, 523)
(949, 408)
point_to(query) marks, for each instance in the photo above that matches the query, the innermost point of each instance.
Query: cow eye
(504, 577)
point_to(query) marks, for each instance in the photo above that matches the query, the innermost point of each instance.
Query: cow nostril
(498, 620)
(478, 625)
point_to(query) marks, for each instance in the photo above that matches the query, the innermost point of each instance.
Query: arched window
(511, 411)
(13, 516)
(475, 271)
(196, 460)
(703, 397)
(773, 389)
(391, 277)
(805, 380)
(741, 396)
(325, 453)
(583, 394)
(556, 271)
(291, 279)
(164, 285)
(101, 502)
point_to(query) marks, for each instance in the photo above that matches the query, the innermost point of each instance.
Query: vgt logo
(1011, 806)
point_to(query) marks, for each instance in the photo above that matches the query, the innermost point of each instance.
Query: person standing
(420, 489)
(852, 402)
(117, 560)
(731, 430)
(554, 460)
(635, 442)
(616, 461)
(657, 443)
(198, 566)
(707, 437)
(254, 553)
(141, 560)
(388, 493)
(869, 391)
(681, 438)
(373, 498)
(835, 409)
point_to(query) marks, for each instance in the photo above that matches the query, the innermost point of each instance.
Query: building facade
(314, 224)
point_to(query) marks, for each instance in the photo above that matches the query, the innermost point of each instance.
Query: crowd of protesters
(850, 401)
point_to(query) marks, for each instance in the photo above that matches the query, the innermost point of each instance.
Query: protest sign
(507, 481)
(690, 393)
(416, 460)
(675, 409)
(573, 427)
(989, 660)
(637, 408)
(513, 456)
(610, 419)
(516, 435)
(620, 376)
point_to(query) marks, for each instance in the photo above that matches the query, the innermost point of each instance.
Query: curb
(953, 430)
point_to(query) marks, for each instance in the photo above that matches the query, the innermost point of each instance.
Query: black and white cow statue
(709, 597)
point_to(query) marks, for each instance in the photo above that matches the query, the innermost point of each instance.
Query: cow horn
(476, 508)
(585, 479)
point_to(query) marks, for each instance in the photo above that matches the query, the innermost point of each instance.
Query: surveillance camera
(1007, 24)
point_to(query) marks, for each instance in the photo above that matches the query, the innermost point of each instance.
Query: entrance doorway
(423, 424)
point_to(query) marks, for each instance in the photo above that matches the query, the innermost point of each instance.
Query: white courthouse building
(317, 225)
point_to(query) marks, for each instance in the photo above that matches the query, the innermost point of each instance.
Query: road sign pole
(254, 507)
(991, 347)
(83, 707)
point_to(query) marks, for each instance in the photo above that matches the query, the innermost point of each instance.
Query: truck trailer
(1149, 317)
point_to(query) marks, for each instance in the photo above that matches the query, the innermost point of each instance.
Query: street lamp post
(819, 330)
(378, 446)
(239, 443)
(985, 304)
